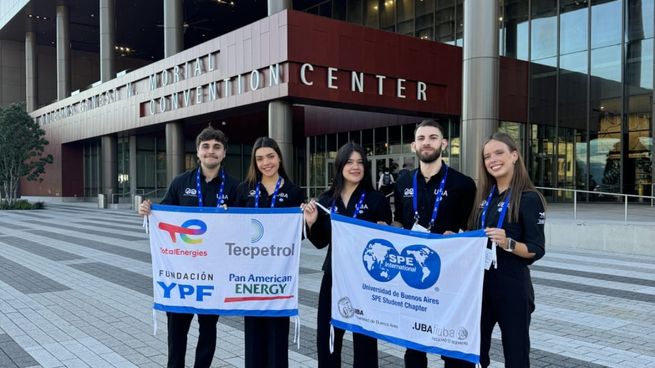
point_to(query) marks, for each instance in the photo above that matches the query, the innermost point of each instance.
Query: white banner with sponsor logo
(418, 290)
(240, 261)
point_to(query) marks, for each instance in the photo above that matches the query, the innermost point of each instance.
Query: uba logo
(190, 227)
(418, 265)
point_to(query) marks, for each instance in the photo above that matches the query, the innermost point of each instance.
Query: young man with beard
(208, 185)
(444, 199)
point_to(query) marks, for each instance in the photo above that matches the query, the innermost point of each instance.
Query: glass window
(408, 137)
(639, 66)
(606, 64)
(355, 11)
(395, 138)
(544, 29)
(445, 22)
(405, 11)
(459, 23)
(573, 26)
(542, 98)
(515, 29)
(342, 139)
(388, 15)
(381, 143)
(373, 13)
(325, 9)
(332, 146)
(639, 176)
(640, 19)
(573, 91)
(339, 9)
(605, 23)
(367, 141)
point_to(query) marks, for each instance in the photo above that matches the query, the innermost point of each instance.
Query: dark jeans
(267, 342)
(178, 328)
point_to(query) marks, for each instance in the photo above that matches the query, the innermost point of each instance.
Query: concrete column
(107, 40)
(479, 80)
(109, 170)
(63, 52)
(174, 150)
(30, 67)
(132, 166)
(275, 6)
(280, 128)
(173, 27)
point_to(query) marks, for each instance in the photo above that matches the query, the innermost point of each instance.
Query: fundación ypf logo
(418, 265)
(189, 228)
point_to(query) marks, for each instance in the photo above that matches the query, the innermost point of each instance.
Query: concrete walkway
(76, 291)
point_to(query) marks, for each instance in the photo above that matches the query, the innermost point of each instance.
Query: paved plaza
(76, 291)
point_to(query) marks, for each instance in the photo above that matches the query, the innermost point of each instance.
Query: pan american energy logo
(418, 265)
(186, 230)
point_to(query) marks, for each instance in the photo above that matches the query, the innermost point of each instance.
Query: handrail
(575, 198)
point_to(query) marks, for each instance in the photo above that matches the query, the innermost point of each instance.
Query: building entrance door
(397, 165)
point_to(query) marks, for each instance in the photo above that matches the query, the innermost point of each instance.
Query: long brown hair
(520, 182)
(253, 173)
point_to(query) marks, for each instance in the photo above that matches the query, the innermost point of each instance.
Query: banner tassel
(146, 224)
(331, 339)
(494, 260)
(296, 331)
(154, 322)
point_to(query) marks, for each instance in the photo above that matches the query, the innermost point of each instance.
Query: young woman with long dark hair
(351, 194)
(267, 185)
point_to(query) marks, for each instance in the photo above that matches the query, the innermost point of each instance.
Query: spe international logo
(257, 230)
(190, 227)
(418, 265)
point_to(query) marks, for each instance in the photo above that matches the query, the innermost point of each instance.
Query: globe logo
(377, 260)
(427, 266)
(418, 265)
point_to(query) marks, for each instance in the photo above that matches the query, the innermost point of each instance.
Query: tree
(21, 150)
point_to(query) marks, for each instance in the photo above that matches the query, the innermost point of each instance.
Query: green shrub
(22, 204)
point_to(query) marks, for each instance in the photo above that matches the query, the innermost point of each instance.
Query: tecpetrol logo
(257, 230)
(190, 227)
(418, 265)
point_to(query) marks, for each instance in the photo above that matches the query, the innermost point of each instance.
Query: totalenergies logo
(190, 227)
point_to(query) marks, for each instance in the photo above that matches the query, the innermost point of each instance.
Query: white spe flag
(418, 290)
(239, 261)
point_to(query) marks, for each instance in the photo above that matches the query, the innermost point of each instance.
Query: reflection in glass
(514, 35)
(445, 22)
(544, 29)
(573, 26)
(606, 64)
(639, 66)
(387, 15)
(605, 23)
(395, 137)
(424, 19)
(640, 19)
(372, 13)
(381, 144)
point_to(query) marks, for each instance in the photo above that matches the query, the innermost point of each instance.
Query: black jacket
(289, 195)
(455, 206)
(375, 208)
(182, 191)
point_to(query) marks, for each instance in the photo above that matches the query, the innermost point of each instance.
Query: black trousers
(365, 348)
(507, 299)
(419, 359)
(178, 328)
(267, 342)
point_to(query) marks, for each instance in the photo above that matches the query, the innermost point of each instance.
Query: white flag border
(473, 358)
(226, 312)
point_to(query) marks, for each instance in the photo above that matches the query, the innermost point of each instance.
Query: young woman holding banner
(351, 194)
(512, 213)
(267, 185)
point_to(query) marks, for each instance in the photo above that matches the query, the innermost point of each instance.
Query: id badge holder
(419, 228)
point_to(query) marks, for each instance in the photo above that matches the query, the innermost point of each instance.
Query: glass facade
(590, 82)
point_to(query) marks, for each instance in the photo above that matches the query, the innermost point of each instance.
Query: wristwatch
(511, 245)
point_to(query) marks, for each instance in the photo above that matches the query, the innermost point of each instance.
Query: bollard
(102, 201)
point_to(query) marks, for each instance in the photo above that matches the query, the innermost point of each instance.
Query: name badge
(419, 228)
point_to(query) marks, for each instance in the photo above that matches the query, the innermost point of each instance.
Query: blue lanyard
(358, 207)
(437, 200)
(277, 188)
(503, 210)
(219, 196)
